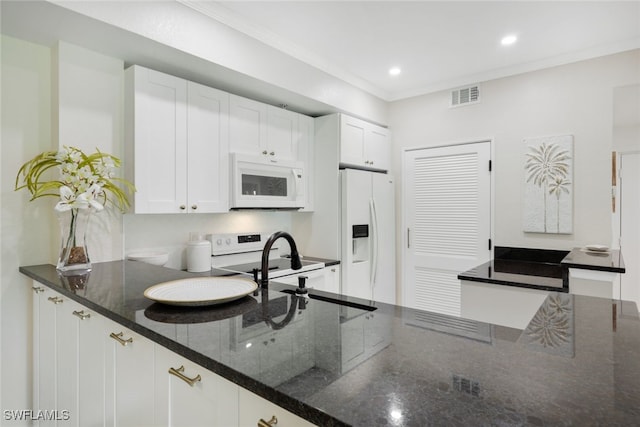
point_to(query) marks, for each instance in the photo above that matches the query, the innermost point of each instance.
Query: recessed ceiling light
(509, 40)
(394, 71)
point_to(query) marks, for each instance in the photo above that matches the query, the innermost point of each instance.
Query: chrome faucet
(295, 257)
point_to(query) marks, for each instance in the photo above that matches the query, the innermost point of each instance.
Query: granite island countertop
(369, 363)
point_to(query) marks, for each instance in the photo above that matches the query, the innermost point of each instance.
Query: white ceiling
(438, 45)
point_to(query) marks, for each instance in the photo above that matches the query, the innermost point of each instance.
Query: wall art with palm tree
(548, 186)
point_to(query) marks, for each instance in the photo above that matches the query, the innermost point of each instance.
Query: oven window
(259, 185)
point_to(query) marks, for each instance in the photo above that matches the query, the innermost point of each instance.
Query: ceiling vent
(465, 96)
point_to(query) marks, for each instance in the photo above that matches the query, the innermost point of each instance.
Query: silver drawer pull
(118, 337)
(81, 314)
(179, 373)
(37, 289)
(272, 422)
(55, 300)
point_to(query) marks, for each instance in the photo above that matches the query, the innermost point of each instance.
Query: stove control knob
(219, 242)
(228, 241)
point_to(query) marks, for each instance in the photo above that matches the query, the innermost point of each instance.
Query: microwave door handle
(295, 184)
(297, 176)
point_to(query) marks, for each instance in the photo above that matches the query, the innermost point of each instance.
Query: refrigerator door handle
(374, 263)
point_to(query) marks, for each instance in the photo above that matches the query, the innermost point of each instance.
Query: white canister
(198, 256)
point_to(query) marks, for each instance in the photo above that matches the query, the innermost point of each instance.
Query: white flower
(68, 200)
(91, 197)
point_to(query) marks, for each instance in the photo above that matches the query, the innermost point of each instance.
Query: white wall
(171, 232)
(571, 99)
(26, 227)
(180, 27)
(88, 92)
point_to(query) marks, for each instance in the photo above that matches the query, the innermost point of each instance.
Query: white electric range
(242, 253)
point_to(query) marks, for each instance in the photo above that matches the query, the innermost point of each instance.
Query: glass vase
(74, 257)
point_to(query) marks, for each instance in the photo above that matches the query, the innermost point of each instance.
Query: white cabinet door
(253, 408)
(177, 144)
(156, 114)
(45, 304)
(80, 361)
(247, 126)
(282, 134)
(378, 148)
(364, 144)
(130, 384)
(208, 149)
(263, 130)
(191, 396)
(90, 366)
(352, 141)
(332, 279)
(306, 147)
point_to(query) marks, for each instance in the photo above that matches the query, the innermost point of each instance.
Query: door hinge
(489, 244)
(490, 166)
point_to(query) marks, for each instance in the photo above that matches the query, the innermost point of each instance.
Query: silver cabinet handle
(179, 373)
(194, 207)
(265, 152)
(81, 314)
(273, 153)
(183, 207)
(55, 300)
(37, 289)
(272, 422)
(118, 337)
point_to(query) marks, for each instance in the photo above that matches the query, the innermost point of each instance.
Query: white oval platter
(197, 291)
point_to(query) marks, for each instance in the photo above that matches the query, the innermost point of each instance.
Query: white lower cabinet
(191, 396)
(130, 377)
(68, 361)
(255, 410)
(91, 371)
(332, 279)
(45, 304)
(80, 364)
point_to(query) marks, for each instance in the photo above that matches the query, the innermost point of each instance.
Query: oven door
(266, 185)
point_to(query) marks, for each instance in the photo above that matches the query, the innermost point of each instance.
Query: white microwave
(259, 183)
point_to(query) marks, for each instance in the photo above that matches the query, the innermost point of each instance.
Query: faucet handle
(302, 280)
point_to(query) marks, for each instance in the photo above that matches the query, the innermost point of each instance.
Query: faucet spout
(296, 264)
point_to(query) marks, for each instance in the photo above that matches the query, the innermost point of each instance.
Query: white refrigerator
(367, 235)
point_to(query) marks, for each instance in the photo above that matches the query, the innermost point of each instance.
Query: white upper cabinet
(247, 126)
(259, 129)
(177, 143)
(208, 149)
(283, 135)
(363, 144)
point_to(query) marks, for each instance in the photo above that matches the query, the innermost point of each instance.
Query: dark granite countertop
(514, 273)
(610, 261)
(542, 269)
(575, 364)
(522, 267)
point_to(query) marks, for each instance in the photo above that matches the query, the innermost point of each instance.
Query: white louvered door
(447, 220)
